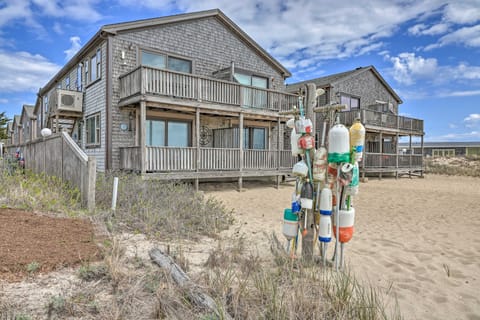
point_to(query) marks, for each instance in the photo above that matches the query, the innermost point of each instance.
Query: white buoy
(326, 201)
(338, 144)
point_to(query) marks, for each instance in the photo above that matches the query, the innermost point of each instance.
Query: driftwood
(194, 292)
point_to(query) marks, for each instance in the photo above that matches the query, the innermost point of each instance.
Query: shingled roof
(331, 80)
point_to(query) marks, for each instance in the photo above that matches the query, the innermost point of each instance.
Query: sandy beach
(417, 239)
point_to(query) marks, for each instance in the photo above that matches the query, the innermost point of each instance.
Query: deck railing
(389, 160)
(383, 120)
(147, 80)
(174, 159)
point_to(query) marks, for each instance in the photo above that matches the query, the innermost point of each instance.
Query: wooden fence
(58, 155)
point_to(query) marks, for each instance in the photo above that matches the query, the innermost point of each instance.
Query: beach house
(189, 96)
(366, 94)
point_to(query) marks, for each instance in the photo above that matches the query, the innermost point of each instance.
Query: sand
(416, 239)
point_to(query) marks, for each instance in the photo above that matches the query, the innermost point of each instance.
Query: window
(251, 80)
(350, 102)
(93, 130)
(67, 82)
(86, 68)
(255, 138)
(163, 61)
(95, 64)
(443, 152)
(172, 133)
(79, 77)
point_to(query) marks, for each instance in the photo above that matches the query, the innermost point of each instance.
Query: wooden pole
(143, 140)
(240, 130)
(197, 138)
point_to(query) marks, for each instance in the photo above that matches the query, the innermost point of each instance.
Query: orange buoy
(346, 222)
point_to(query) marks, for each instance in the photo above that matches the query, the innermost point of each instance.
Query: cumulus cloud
(23, 71)
(75, 46)
(82, 10)
(472, 120)
(3, 101)
(407, 67)
(463, 136)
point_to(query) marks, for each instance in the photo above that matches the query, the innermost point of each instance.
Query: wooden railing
(161, 159)
(383, 120)
(147, 80)
(387, 160)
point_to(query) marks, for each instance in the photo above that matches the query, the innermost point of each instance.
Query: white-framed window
(172, 133)
(352, 103)
(251, 80)
(92, 123)
(67, 82)
(164, 61)
(87, 71)
(443, 152)
(95, 65)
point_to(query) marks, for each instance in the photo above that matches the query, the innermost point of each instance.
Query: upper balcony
(158, 82)
(383, 121)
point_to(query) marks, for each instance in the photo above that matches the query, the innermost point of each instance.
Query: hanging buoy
(320, 165)
(352, 188)
(325, 232)
(346, 221)
(290, 224)
(306, 196)
(338, 143)
(300, 169)
(357, 138)
(294, 143)
(295, 204)
(306, 142)
(326, 201)
(291, 123)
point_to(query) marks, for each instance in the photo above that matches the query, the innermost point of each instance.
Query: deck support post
(421, 159)
(410, 159)
(396, 154)
(240, 127)
(279, 134)
(381, 155)
(197, 144)
(143, 142)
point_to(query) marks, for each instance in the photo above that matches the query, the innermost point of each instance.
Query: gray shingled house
(365, 92)
(28, 123)
(189, 96)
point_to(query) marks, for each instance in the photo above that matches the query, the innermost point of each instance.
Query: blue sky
(428, 51)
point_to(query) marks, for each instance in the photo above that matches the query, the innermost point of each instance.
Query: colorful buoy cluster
(326, 180)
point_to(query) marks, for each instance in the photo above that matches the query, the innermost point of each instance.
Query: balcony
(383, 121)
(157, 82)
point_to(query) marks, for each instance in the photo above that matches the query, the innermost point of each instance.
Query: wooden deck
(147, 81)
(384, 122)
(397, 164)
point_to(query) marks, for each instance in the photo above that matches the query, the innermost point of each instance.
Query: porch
(199, 163)
(397, 164)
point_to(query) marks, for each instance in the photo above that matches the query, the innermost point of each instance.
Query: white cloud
(465, 11)
(407, 67)
(13, 10)
(465, 93)
(82, 10)
(58, 28)
(424, 30)
(472, 120)
(464, 136)
(452, 126)
(3, 101)
(75, 46)
(468, 36)
(23, 71)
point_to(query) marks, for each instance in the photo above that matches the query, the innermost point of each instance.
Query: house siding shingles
(95, 102)
(366, 86)
(206, 41)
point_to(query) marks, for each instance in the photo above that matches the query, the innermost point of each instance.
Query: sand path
(420, 237)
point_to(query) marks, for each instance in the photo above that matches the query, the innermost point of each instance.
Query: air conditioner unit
(66, 100)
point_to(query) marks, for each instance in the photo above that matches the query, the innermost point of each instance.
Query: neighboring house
(442, 149)
(9, 133)
(365, 92)
(17, 134)
(186, 97)
(28, 123)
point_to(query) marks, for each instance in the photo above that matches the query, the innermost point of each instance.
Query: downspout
(108, 106)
